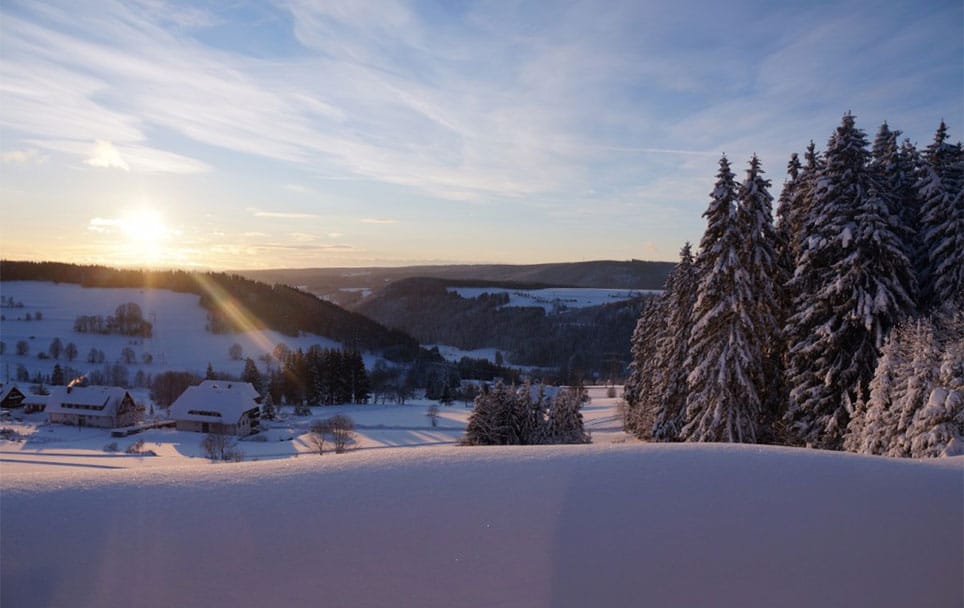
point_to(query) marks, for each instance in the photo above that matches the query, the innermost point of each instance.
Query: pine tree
(251, 374)
(801, 200)
(941, 191)
(267, 407)
(896, 169)
(787, 217)
(918, 380)
(767, 278)
(565, 424)
(640, 390)
(872, 429)
(938, 428)
(669, 373)
(722, 403)
(853, 282)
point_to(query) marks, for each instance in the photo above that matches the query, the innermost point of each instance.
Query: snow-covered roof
(245, 388)
(86, 400)
(6, 390)
(214, 403)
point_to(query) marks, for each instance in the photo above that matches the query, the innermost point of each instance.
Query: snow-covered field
(599, 525)
(53, 446)
(179, 340)
(555, 298)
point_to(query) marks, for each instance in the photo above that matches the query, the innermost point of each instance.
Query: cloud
(24, 157)
(106, 155)
(286, 215)
(374, 220)
(101, 224)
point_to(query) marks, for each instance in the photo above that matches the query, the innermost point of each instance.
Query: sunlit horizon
(303, 135)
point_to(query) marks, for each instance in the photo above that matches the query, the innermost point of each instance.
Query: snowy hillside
(556, 299)
(179, 340)
(641, 525)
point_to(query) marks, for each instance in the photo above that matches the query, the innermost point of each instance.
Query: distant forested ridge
(234, 303)
(594, 339)
(602, 274)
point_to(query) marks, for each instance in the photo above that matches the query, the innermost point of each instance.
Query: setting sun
(146, 234)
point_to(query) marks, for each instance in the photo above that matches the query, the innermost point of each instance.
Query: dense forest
(235, 303)
(840, 325)
(577, 342)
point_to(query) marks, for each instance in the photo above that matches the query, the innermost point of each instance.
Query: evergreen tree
(57, 376)
(872, 429)
(565, 424)
(723, 403)
(941, 191)
(251, 374)
(896, 170)
(801, 200)
(767, 277)
(938, 427)
(640, 390)
(853, 282)
(669, 363)
(267, 407)
(209, 373)
(786, 217)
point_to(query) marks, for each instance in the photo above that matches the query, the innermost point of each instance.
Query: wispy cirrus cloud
(29, 156)
(284, 215)
(378, 220)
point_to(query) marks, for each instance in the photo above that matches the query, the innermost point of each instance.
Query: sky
(241, 135)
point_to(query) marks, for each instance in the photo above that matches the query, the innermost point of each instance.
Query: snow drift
(656, 525)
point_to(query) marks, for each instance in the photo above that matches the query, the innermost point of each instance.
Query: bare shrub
(111, 447)
(221, 448)
(135, 448)
(339, 429)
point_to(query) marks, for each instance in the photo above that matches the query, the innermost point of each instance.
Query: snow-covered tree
(669, 360)
(640, 390)
(917, 380)
(723, 402)
(941, 191)
(896, 167)
(564, 424)
(938, 428)
(767, 278)
(853, 282)
(872, 428)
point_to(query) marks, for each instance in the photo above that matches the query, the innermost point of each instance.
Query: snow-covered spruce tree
(917, 379)
(938, 428)
(723, 403)
(640, 390)
(801, 200)
(897, 170)
(941, 191)
(485, 424)
(852, 283)
(565, 417)
(669, 360)
(505, 415)
(872, 429)
(767, 279)
(786, 217)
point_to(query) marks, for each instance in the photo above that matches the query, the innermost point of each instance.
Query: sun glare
(146, 234)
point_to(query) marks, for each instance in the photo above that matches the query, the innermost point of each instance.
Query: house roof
(245, 388)
(213, 403)
(104, 398)
(6, 390)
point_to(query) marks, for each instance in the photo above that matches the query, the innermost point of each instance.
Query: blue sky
(348, 133)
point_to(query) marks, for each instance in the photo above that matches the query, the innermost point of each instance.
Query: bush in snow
(221, 448)
(135, 448)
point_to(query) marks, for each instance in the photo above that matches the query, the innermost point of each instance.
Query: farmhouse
(11, 397)
(100, 406)
(226, 408)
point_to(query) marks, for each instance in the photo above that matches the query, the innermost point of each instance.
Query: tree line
(779, 331)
